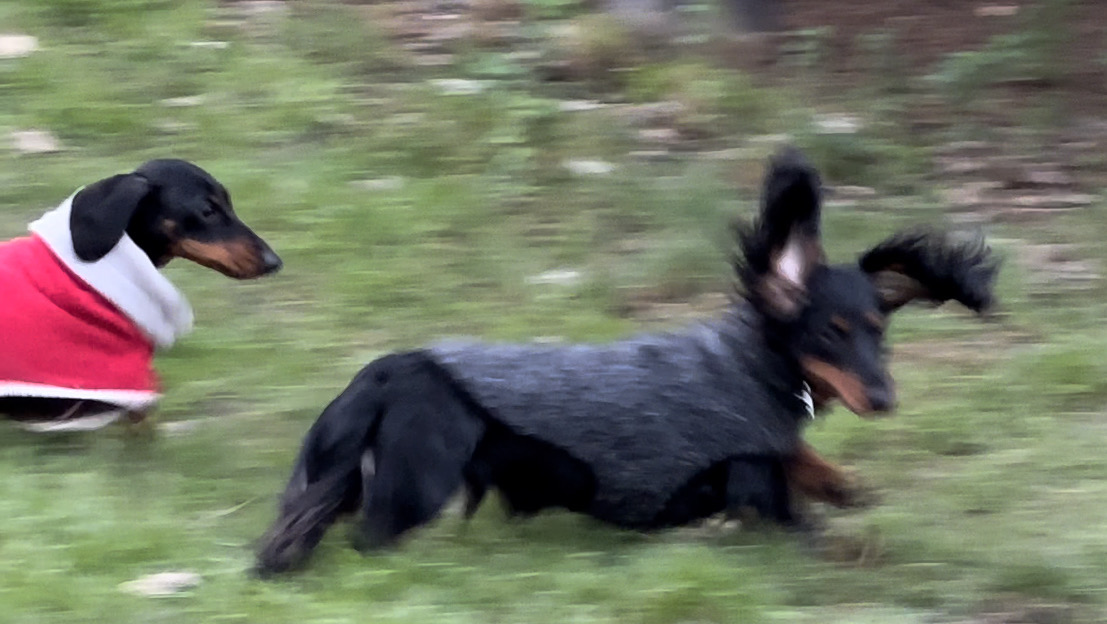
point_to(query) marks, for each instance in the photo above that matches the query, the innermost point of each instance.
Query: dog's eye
(209, 212)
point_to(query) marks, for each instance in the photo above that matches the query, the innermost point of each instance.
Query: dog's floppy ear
(781, 248)
(928, 265)
(101, 212)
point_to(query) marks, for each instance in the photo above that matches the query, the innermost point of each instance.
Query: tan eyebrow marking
(875, 319)
(840, 323)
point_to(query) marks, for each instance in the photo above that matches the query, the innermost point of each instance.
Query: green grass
(992, 475)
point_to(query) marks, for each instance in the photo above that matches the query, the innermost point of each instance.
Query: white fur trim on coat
(125, 276)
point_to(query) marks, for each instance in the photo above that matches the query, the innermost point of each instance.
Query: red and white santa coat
(83, 330)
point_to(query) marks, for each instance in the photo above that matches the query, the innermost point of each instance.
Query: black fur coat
(646, 414)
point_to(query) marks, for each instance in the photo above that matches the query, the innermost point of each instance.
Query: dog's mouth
(237, 258)
(829, 382)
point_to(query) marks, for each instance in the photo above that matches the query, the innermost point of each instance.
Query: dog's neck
(148, 236)
(775, 365)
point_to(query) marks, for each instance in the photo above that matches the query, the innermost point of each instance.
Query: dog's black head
(830, 319)
(170, 208)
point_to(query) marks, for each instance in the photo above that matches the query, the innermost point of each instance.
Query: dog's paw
(137, 425)
(829, 541)
(864, 549)
(363, 541)
(850, 492)
(369, 538)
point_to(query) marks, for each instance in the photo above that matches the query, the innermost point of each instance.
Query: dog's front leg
(818, 479)
(138, 424)
(135, 417)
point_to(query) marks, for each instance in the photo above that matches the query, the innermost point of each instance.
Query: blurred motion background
(566, 169)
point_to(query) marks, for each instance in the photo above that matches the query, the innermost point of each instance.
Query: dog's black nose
(271, 262)
(881, 399)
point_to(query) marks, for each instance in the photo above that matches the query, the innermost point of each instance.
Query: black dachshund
(655, 431)
(82, 304)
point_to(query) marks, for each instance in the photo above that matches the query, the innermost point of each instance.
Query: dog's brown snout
(864, 399)
(238, 258)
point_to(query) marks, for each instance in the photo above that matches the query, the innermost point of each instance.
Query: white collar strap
(808, 401)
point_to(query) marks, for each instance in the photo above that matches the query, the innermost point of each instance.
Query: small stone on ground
(162, 584)
(17, 46)
(560, 277)
(35, 142)
(459, 86)
(589, 167)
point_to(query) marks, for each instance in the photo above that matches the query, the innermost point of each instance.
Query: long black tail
(327, 478)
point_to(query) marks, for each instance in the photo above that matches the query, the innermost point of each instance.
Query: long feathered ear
(778, 251)
(101, 212)
(928, 265)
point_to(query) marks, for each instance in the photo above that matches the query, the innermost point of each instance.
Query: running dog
(649, 432)
(83, 305)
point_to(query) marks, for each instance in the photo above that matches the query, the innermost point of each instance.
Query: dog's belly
(59, 415)
(532, 475)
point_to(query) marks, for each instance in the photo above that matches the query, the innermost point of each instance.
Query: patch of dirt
(924, 30)
(990, 181)
(1057, 266)
(984, 348)
(1021, 610)
(433, 31)
(919, 34)
(648, 308)
(254, 17)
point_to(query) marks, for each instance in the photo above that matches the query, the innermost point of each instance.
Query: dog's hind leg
(477, 477)
(427, 435)
(326, 480)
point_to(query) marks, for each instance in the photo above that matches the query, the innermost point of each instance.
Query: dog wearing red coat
(83, 306)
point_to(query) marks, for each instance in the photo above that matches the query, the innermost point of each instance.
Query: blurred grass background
(533, 168)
